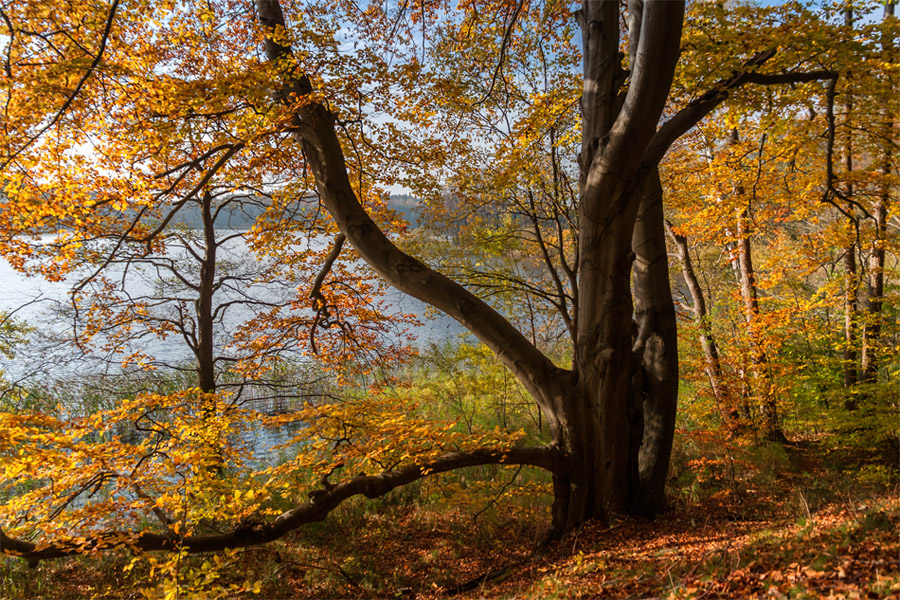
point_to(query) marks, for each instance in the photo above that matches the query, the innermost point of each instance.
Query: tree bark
(713, 364)
(851, 289)
(656, 350)
(875, 291)
(203, 305)
(875, 295)
(603, 421)
(851, 304)
(759, 356)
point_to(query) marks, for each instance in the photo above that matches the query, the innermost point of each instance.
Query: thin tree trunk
(762, 372)
(875, 299)
(713, 365)
(203, 305)
(851, 288)
(851, 305)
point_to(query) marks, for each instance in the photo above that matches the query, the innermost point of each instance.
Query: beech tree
(172, 100)
(795, 142)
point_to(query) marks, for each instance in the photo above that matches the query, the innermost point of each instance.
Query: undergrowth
(813, 517)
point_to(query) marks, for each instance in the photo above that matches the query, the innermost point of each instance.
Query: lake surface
(51, 362)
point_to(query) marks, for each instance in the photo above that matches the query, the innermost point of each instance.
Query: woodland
(667, 233)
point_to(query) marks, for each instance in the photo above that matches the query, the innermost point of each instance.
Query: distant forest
(243, 216)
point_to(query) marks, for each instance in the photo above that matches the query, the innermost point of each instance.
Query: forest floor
(785, 523)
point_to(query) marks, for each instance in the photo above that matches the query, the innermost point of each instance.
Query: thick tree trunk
(713, 364)
(606, 414)
(595, 421)
(656, 349)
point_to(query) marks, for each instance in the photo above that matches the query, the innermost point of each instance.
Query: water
(89, 382)
(47, 307)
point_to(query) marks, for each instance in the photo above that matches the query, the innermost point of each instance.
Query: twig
(497, 497)
(504, 44)
(106, 31)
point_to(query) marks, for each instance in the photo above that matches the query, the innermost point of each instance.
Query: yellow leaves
(182, 457)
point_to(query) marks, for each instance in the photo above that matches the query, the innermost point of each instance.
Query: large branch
(313, 126)
(320, 504)
(694, 112)
(655, 57)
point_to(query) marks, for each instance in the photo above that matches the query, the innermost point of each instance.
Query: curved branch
(319, 303)
(320, 504)
(694, 112)
(313, 127)
(504, 45)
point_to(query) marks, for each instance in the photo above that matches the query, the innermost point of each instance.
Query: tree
(712, 363)
(809, 185)
(208, 111)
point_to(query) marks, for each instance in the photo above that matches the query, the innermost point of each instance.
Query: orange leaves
(187, 462)
(372, 434)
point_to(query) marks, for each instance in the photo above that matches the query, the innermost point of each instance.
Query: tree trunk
(875, 296)
(203, 305)
(851, 289)
(656, 350)
(713, 365)
(851, 304)
(759, 357)
(593, 409)
(875, 289)
(605, 420)
(762, 373)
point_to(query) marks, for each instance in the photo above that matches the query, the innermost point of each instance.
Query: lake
(41, 304)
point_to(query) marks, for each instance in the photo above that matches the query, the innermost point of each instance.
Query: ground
(771, 522)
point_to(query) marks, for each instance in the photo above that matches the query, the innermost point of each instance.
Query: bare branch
(831, 191)
(318, 300)
(694, 112)
(504, 45)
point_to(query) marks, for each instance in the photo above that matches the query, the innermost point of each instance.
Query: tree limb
(313, 127)
(694, 112)
(90, 70)
(321, 503)
(319, 303)
(504, 45)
